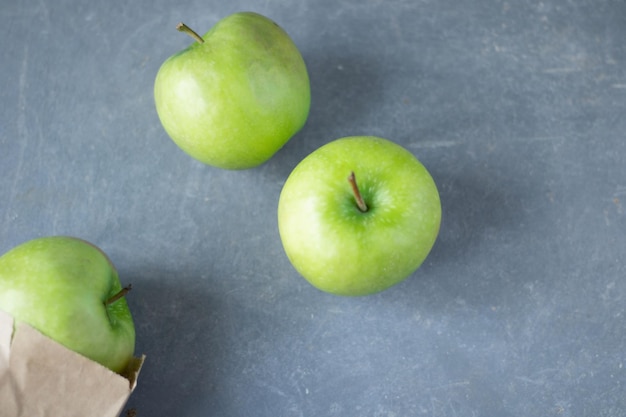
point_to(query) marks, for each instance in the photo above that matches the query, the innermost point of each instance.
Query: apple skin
(233, 101)
(59, 286)
(342, 250)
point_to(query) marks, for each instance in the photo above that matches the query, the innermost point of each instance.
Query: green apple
(235, 96)
(358, 215)
(69, 290)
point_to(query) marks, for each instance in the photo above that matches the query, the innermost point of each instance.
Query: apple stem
(181, 27)
(360, 203)
(119, 295)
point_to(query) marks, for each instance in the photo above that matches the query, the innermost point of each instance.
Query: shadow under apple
(181, 327)
(480, 218)
(346, 91)
(206, 336)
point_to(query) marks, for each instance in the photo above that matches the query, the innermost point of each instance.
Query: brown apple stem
(360, 203)
(181, 27)
(119, 295)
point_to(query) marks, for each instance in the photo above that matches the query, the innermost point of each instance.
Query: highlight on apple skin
(349, 247)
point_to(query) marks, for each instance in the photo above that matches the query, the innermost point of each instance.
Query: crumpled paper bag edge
(26, 355)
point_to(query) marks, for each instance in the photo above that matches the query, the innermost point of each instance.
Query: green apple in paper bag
(69, 290)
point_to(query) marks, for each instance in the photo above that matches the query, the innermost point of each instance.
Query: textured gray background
(517, 109)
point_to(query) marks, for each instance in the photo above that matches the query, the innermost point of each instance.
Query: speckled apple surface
(516, 109)
(346, 249)
(235, 98)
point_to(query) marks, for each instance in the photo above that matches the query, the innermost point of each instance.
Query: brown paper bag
(41, 378)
